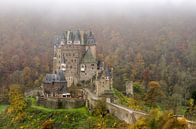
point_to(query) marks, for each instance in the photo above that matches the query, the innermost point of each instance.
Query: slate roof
(59, 77)
(70, 36)
(108, 71)
(90, 38)
(88, 57)
(85, 37)
(76, 35)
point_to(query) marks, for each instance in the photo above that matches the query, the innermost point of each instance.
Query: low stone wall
(124, 113)
(60, 103)
(191, 125)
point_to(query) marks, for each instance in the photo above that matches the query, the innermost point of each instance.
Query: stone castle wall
(89, 72)
(61, 103)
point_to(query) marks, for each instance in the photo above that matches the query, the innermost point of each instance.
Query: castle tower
(104, 81)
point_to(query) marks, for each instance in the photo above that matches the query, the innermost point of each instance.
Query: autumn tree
(153, 93)
(160, 120)
(101, 111)
(27, 76)
(16, 98)
(17, 102)
(138, 67)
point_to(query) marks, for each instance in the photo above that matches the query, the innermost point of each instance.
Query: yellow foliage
(47, 124)
(153, 84)
(101, 124)
(9, 110)
(19, 117)
(182, 121)
(134, 104)
(156, 114)
(140, 124)
(16, 98)
(161, 120)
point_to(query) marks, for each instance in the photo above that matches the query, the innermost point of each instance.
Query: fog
(82, 7)
(76, 13)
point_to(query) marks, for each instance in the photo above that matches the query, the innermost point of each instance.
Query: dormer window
(63, 67)
(69, 42)
(77, 42)
(62, 43)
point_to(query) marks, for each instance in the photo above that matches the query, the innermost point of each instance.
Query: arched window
(82, 67)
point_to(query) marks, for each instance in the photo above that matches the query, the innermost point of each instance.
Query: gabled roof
(88, 57)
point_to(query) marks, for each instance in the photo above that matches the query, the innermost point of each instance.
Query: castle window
(82, 67)
(73, 54)
(70, 67)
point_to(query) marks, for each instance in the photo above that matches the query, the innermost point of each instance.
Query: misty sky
(88, 4)
(92, 8)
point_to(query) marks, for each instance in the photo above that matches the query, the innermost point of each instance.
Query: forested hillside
(141, 46)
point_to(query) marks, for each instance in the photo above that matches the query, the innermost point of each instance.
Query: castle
(75, 58)
(75, 54)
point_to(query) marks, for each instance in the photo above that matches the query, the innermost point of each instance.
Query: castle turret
(69, 37)
(76, 37)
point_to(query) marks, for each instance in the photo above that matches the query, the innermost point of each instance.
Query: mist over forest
(143, 41)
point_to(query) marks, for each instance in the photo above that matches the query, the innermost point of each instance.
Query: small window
(92, 64)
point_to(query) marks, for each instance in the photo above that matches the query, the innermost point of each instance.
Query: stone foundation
(60, 103)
